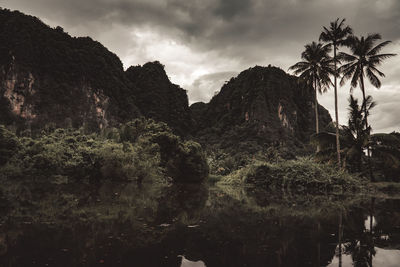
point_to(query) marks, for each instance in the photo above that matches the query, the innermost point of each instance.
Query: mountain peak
(263, 104)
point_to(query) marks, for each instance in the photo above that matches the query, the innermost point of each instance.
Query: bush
(300, 174)
(183, 161)
(188, 164)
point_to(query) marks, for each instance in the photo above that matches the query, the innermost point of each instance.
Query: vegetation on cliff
(159, 99)
(47, 76)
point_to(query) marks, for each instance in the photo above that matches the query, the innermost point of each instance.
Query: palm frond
(376, 71)
(346, 57)
(373, 78)
(378, 48)
(377, 59)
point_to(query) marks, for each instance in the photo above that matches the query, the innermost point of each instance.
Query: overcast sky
(203, 43)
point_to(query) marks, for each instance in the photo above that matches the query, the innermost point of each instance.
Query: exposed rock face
(46, 76)
(160, 99)
(262, 104)
(18, 89)
(25, 98)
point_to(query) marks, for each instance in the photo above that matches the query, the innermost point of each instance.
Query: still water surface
(115, 224)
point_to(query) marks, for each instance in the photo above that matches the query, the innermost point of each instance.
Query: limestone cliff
(47, 76)
(263, 105)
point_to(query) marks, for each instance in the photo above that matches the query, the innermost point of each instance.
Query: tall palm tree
(336, 36)
(315, 71)
(363, 61)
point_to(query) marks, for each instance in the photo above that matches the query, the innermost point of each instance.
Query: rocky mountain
(158, 98)
(262, 106)
(47, 76)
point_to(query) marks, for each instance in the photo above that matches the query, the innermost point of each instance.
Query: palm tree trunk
(366, 125)
(316, 107)
(336, 111)
(316, 110)
(364, 106)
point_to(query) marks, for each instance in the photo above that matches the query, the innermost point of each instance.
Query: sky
(204, 43)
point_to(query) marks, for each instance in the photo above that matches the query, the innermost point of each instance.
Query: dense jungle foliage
(141, 150)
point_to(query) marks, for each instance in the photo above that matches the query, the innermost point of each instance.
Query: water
(116, 224)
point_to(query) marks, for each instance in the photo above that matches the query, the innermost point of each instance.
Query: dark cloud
(199, 37)
(229, 9)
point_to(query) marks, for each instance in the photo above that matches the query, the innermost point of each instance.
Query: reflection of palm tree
(362, 248)
(371, 230)
(314, 70)
(336, 36)
(340, 234)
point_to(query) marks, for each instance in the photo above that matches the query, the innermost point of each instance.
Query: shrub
(300, 174)
(183, 161)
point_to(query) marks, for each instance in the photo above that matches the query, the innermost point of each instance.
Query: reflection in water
(369, 223)
(116, 224)
(187, 263)
(383, 257)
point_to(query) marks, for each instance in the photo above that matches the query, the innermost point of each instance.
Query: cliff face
(158, 98)
(262, 104)
(48, 76)
(33, 100)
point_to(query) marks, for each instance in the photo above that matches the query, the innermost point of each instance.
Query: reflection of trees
(361, 242)
(184, 202)
(362, 250)
(371, 227)
(386, 230)
(236, 228)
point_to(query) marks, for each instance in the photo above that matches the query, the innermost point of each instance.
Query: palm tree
(315, 70)
(363, 62)
(336, 36)
(356, 134)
